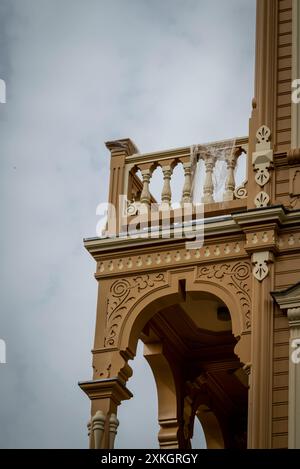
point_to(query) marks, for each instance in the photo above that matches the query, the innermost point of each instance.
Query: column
(105, 395)
(119, 150)
(168, 383)
(260, 391)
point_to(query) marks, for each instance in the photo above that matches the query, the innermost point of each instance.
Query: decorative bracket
(261, 261)
(262, 199)
(262, 158)
(262, 161)
(293, 315)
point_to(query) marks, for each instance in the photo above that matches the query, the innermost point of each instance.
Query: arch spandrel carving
(123, 295)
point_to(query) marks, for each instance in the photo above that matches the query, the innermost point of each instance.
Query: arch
(134, 301)
(156, 182)
(177, 184)
(171, 292)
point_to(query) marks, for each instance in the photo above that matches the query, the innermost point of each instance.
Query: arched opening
(177, 183)
(189, 345)
(138, 416)
(198, 439)
(241, 170)
(156, 184)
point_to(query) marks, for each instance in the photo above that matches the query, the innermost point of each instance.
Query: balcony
(213, 177)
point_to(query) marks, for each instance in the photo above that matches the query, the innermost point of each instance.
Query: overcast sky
(165, 73)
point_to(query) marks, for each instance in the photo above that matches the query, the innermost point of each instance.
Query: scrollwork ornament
(241, 192)
(123, 293)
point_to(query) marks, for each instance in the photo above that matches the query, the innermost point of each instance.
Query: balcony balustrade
(209, 178)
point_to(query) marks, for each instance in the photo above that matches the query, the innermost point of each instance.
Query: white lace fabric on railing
(219, 152)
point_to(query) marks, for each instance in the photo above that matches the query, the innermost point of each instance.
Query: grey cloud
(78, 73)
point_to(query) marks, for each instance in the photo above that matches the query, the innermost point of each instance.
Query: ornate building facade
(216, 299)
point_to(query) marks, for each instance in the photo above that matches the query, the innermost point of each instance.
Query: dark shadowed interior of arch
(195, 338)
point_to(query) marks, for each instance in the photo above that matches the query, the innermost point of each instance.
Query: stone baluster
(98, 423)
(231, 161)
(113, 426)
(145, 195)
(166, 195)
(208, 188)
(187, 187)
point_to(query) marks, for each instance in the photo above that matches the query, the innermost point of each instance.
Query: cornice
(217, 226)
(276, 215)
(232, 225)
(254, 232)
(125, 145)
(288, 298)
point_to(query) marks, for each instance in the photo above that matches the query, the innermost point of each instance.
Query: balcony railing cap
(124, 145)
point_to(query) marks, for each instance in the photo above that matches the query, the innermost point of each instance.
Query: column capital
(289, 301)
(293, 315)
(123, 146)
(111, 388)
